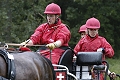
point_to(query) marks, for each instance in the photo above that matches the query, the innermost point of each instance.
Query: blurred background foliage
(19, 18)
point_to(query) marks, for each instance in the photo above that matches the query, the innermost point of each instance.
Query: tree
(18, 19)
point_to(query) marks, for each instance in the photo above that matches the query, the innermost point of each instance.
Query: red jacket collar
(91, 38)
(58, 23)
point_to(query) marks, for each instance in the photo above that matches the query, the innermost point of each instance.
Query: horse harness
(9, 59)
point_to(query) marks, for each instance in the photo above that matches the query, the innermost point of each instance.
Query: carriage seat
(67, 58)
(89, 58)
(84, 63)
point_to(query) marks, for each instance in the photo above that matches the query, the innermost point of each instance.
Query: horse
(26, 65)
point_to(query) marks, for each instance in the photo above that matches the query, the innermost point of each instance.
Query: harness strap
(9, 59)
(64, 47)
(2, 78)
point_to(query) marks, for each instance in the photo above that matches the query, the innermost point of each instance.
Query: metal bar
(14, 44)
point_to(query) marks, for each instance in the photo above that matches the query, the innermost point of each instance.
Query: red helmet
(82, 28)
(53, 9)
(93, 23)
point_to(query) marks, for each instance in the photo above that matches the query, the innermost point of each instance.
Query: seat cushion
(89, 58)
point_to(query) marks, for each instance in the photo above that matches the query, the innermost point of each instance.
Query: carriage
(82, 68)
(87, 66)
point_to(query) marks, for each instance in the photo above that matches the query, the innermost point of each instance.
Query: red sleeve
(109, 52)
(63, 35)
(77, 48)
(36, 36)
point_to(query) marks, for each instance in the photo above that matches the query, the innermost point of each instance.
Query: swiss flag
(61, 75)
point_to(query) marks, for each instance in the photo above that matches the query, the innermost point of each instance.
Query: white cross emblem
(60, 76)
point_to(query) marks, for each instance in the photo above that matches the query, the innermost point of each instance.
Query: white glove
(112, 75)
(74, 59)
(101, 50)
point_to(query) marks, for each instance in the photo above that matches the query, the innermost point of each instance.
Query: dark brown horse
(28, 66)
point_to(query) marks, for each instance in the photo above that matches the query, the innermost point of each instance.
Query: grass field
(114, 66)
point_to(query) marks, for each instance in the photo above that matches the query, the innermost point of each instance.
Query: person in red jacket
(82, 31)
(92, 42)
(54, 34)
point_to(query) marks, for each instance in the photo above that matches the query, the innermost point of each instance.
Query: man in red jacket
(93, 42)
(54, 34)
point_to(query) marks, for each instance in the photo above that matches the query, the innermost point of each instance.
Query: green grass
(114, 66)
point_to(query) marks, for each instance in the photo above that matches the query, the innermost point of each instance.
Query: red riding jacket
(46, 34)
(88, 44)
